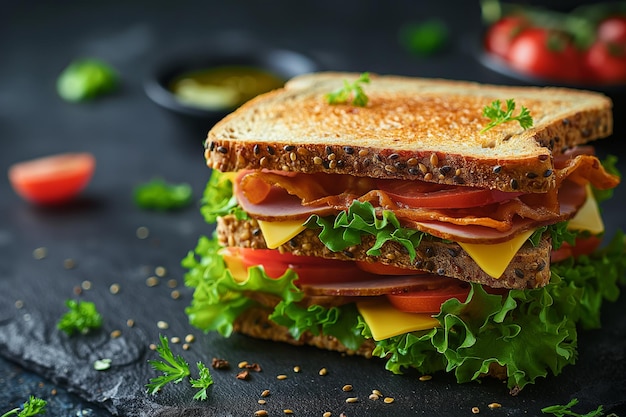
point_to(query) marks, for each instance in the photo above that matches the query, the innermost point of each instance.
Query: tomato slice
(583, 246)
(429, 301)
(53, 179)
(424, 194)
(310, 269)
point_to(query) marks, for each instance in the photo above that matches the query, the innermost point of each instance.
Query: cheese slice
(277, 233)
(494, 258)
(385, 321)
(588, 216)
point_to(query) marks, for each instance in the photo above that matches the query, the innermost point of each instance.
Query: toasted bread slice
(411, 128)
(530, 268)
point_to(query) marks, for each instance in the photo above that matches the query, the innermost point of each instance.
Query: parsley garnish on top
(498, 115)
(354, 90)
(82, 317)
(30, 408)
(565, 410)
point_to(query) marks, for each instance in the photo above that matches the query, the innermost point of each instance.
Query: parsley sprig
(498, 115)
(351, 90)
(565, 410)
(82, 317)
(30, 408)
(175, 369)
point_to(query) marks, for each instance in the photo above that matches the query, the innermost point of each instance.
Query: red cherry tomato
(583, 246)
(547, 54)
(310, 269)
(612, 29)
(431, 195)
(500, 35)
(429, 301)
(53, 179)
(606, 62)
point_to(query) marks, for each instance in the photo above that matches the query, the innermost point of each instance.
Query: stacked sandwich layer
(404, 229)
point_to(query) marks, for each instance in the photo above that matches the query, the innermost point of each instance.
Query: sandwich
(422, 221)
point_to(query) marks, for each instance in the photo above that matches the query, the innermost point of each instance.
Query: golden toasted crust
(412, 128)
(530, 268)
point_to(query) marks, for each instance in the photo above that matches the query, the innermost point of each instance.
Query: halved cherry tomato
(382, 269)
(431, 195)
(583, 246)
(606, 62)
(429, 301)
(500, 35)
(52, 179)
(310, 269)
(612, 29)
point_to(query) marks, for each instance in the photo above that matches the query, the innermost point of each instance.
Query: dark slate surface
(134, 141)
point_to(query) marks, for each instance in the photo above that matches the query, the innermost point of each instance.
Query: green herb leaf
(174, 368)
(218, 199)
(32, 407)
(565, 410)
(424, 38)
(85, 79)
(354, 90)
(498, 115)
(161, 195)
(81, 317)
(102, 364)
(203, 382)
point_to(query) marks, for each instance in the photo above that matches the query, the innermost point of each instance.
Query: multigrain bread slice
(411, 128)
(529, 268)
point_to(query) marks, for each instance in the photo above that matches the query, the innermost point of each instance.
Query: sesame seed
(293, 156)
(323, 371)
(260, 413)
(475, 410)
(85, 285)
(186, 346)
(190, 338)
(332, 164)
(377, 392)
(152, 346)
(390, 168)
(394, 156)
(388, 400)
(281, 377)
(434, 159)
(296, 369)
(261, 402)
(348, 149)
(172, 283)
(494, 405)
(363, 152)
(263, 161)
(303, 151)
(457, 172)
(346, 388)
(374, 397)
(289, 148)
(142, 232)
(69, 263)
(428, 176)
(317, 160)
(19, 304)
(327, 414)
(425, 377)
(115, 334)
(152, 281)
(163, 325)
(497, 169)
(222, 149)
(352, 400)
(175, 339)
(114, 288)
(40, 253)
(287, 411)
(445, 170)
(242, 364)
(265, 393)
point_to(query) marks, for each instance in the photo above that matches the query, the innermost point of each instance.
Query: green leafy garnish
(85, 79)
(102, 364)
(498, 115)
(218, 199)
(559, 233)
(161, 195)
(175, 369)
(32, 407)
(82, 317)
(203, 382)
(349, 90)
(565, 410)
(424, 38)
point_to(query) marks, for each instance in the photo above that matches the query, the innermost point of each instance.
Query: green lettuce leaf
(218, 199)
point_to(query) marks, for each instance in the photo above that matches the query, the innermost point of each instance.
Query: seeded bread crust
(411, 128)
(530, 268)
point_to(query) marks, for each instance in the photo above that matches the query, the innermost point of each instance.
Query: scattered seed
(175, 294)
(242, 364)
(85, 285)
(172, 283)
(352, 400)
(475, 410)
(160, 271)
(377, 392)
(220, 363)
(265, 393)
(163, 325)
(374, 397)
(186, 346)
(77, 290)
(115, 334)
(190, 338)
(296, 369)
(287, 411)
(327, 414)
(152, 346)
(346, 388)
(261, 402)
(53, 391)
(281, 377)
(69, 263)
(260, 413)
(388, 400)
(19, 304)
(175, 339)
(142, 232)
(243, 375)
(114, 288)
(425, 377)
(323, 371)
(152, 281)
(494, 405)
(40, 253)
(254, 367)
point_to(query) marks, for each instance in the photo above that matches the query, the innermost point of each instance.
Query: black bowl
(282, 63)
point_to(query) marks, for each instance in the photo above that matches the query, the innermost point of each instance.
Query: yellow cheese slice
(494, 258)
(385, 321)
(277, 233)
(234, 264)
(588, 216)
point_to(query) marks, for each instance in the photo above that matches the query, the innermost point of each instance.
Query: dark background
(134, 141)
